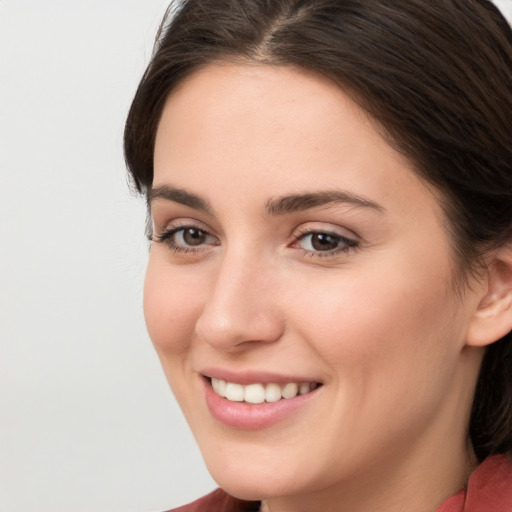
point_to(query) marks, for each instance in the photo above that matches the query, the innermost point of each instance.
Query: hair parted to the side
(436, 77)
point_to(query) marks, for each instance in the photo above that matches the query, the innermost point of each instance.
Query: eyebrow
(301, 202)
(178, 195)
(275, 206)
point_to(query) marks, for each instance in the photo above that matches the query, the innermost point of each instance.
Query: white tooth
(215, 385)
(254, 393)
(304, 388)
(272, 393)
(221, 387)
(290, 390)
(234, 392)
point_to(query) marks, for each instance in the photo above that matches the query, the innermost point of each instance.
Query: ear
(493, 317)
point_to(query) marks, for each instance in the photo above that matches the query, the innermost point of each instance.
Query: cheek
(171, 308)
(375, 327)
(390, 350)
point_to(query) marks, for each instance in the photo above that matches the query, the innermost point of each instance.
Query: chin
(250, 487)
(251, 479)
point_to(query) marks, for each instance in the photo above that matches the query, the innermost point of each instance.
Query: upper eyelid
(350, 240)
(297, 232)
(325, 227)
(307, 231)
(172, 230)
(182, 222)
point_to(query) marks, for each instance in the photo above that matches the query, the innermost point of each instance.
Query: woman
(329, 286)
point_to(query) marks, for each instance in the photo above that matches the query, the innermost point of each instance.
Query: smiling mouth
(260, 393)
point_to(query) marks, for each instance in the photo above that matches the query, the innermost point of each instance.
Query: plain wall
(87, 421)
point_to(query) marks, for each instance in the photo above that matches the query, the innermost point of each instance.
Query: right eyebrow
(178, 195)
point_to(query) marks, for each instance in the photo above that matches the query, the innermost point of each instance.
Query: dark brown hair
(435, 76)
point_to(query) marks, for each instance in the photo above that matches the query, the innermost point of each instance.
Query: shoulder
(219, 501)
(491, 485)
(489, 488)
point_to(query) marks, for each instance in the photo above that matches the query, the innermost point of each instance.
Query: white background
(87, 421)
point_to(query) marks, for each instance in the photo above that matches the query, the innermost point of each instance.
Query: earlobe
(493, 317)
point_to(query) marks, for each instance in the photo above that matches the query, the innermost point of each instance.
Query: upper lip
(254, 377)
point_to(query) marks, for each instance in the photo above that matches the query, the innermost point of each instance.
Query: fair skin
(352, 293)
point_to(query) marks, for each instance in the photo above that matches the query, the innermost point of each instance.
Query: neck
(393, 488)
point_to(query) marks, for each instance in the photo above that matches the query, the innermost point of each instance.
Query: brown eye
(324, 242)
(318, 242)
(187, 238)
(193, 236)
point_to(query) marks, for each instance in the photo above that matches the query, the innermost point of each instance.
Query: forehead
(273, 130)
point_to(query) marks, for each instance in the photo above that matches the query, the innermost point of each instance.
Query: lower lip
(246, 416)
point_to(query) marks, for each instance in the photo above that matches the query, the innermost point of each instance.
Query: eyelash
(166, 238)
(347, 244)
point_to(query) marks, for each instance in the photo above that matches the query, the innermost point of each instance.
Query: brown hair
(435, 75)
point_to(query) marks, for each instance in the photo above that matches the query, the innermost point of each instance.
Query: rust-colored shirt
(489, 490)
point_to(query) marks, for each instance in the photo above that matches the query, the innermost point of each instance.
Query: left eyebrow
(300, 202)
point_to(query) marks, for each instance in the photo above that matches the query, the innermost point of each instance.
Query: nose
(240, 308)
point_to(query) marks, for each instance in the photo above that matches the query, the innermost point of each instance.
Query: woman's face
(297, 254)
